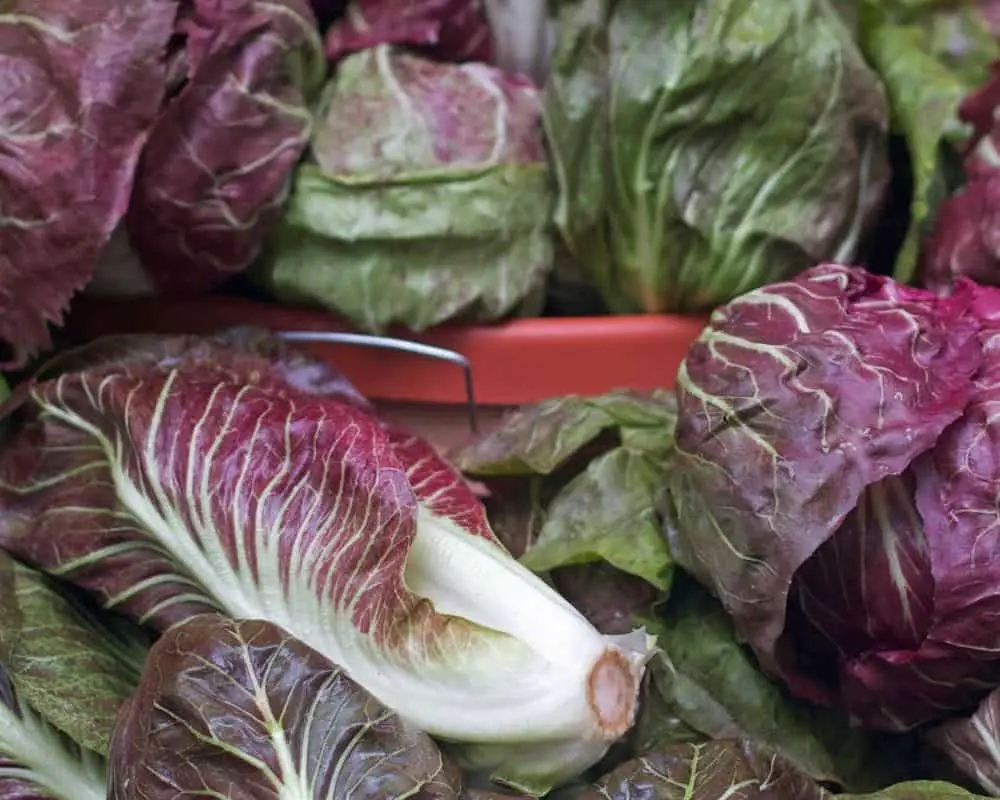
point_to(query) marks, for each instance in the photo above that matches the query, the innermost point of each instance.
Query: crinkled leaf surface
(944, 577)
(214, 175)
(607, 512)
(964, 242)
(72, 666)
(799, 408)
(703, 149)
(541, 438)
(416, 213)
(730, 769)
(81, 85)
(711, 685)
(242, 710)
(64, 674)
(450, 30)
(958, 503)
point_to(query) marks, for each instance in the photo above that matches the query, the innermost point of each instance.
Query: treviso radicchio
(174, 476)
(428, 197)
(835, 484)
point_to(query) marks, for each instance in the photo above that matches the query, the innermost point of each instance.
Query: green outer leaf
(74, 669)
(608, 512)
(4, 389)
(539, 439)
(957, 33)
(578, 136)
(703, 149)
(924, 96)
(417, 251)
(712, 684)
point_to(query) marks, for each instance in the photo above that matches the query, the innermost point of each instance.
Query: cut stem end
(612, 689)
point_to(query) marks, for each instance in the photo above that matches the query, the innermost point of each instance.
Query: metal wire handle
(399, 345)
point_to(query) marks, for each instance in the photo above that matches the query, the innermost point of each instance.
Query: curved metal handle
(400, 345)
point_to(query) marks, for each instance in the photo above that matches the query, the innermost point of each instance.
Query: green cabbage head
(704, 148)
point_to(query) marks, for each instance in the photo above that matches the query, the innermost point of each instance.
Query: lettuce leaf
(65, 673)
(411, 213)
(604, 508)
(71, 664)
(703, 149)
(925, 92)
(226, 704)
(707, 685)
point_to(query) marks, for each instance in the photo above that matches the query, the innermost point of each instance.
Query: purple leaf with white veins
(216, 483)
(800, 486)
(244, 711)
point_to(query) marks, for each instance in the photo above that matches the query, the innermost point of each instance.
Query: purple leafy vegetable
(973, 743)
(173, 476)
(81, 84)
(215, 173)
(834, 483)
(244, 711)
(731, 769)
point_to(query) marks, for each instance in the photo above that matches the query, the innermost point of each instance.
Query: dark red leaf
(80, 85)
(216, 170)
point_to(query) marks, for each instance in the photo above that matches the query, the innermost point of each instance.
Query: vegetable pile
(223, 574)
(414, 162)
(177, 478)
